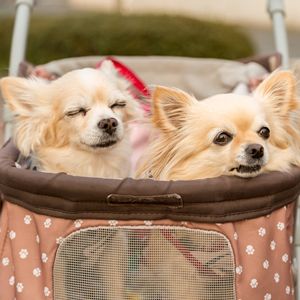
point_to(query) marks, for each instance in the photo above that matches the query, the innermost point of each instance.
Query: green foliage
(53, 38)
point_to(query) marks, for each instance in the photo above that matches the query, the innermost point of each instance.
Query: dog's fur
(77, 124)
(224, 134)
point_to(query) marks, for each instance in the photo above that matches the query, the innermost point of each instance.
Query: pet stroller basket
(67, 237)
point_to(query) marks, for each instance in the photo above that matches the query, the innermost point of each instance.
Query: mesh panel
(157, 263)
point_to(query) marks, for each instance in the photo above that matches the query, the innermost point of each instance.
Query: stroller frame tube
(276, 10)
(18, 49)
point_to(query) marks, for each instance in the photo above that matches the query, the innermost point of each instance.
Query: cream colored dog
(225, 134)
(222, 135)
(77, 124)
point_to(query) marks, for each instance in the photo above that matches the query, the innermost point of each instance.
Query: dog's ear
(21, 94)
(277, 91)
(24, 98)
(278, 97)
(170, 108)
(108, 67)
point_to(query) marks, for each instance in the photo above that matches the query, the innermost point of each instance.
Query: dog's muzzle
(254, 154)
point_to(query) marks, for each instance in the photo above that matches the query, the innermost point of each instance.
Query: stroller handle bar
(18, 49)
(276, 10)
(19, 40)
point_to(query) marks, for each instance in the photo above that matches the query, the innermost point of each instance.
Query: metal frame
(276, 10)
(18, 49)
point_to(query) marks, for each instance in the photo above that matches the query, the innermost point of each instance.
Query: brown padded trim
(222, 199)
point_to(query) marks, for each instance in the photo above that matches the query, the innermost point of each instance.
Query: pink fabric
(139, 138)
(262, 249)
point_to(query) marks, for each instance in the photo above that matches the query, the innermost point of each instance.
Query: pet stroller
(66, 237)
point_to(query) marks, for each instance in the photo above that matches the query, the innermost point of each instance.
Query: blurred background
(226, 29)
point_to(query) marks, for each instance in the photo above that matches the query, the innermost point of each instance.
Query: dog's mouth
(102, 145)
(247, 170)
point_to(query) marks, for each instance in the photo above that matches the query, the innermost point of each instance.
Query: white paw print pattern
(276, 277)
(291, 239)
(112, 222)
(20, 287)
(60, 240)
(262, 231)
(239, 270)
(148, 222)
(37, 272)
(12, 235)
(288, 290)
(78, 223)
(266, 264)
(5, 261)
(27, 219)
(235, 236)
(47, 292)
(250, 250)
(254, 283)
(272, 245)
(268, 297)
(44, 257)
(23, 253)
(285, 258)
(280, 226)
(37, 239)
(184, 222)
(47, 223)
(12, 280)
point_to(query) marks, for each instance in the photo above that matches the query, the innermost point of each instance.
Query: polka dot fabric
(262, 251)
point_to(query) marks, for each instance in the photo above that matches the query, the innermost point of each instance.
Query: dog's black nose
(255, 151)
(108, 125)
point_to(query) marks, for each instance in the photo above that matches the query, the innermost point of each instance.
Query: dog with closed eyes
(225, 134)
(77, 124)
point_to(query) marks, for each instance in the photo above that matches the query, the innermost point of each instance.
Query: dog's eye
(119, 104)
(76, 112)
(222, 138)
(264, 132)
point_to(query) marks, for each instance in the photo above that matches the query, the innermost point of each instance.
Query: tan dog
(77, 124)
(225, 134)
